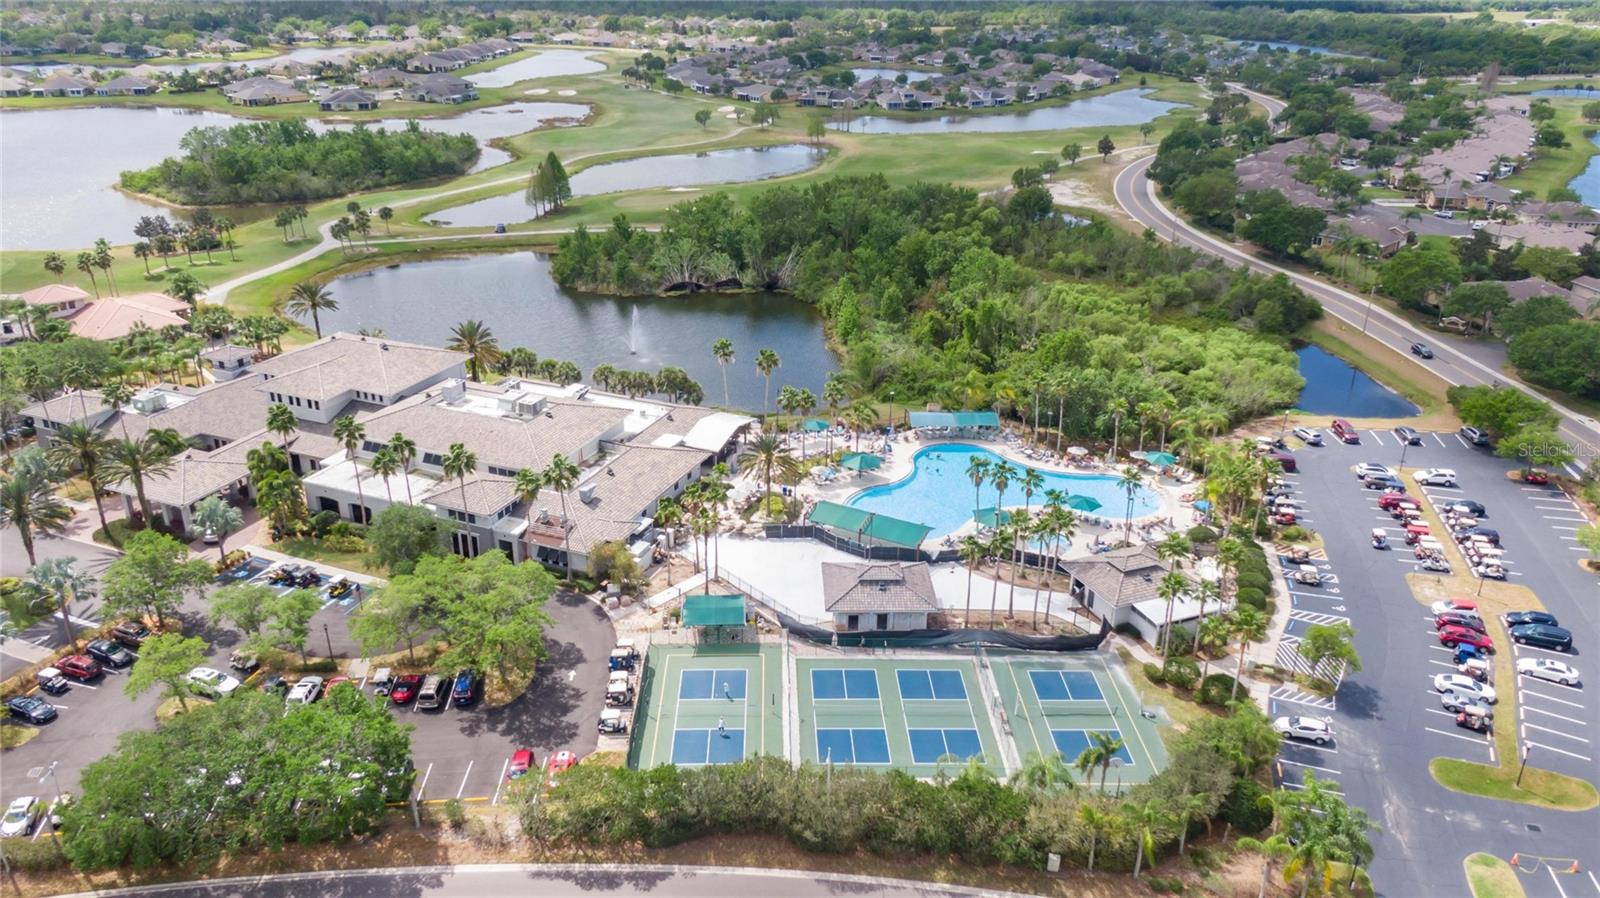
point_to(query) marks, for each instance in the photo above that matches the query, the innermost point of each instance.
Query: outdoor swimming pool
(938, 493)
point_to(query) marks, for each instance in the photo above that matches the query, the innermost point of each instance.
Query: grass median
(1491, 877)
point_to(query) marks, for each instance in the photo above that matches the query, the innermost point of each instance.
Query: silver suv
(433, 694)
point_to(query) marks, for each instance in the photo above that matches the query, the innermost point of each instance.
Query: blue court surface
(931, 684)
(833, 683)
(1065, 685)
(1071, 744)
(712, 684)
(853, 746)
(928, 746)
(699, 747)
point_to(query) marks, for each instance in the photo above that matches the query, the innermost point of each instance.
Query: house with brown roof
(263, 91)
(126, 86)
(1120, 586)
(879, 595)
(115, 317)
(348, 99)
(62, 86)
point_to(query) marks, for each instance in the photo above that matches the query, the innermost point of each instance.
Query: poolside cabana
(977, 425)
(866, 528)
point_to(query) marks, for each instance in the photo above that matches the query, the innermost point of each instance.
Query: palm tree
(1174, 549)
(1272, 849)
(1149, 820)
(562, 475)
(722, 351)
(1101, 751)
(1213, 635)
(1170, 589)
(1000, 475)
(58, 578)
(217, 516)
(972, 552)
(135, 460)
(765, 450)
(458, 463)
(998, 544)
(385, 465)
(1098, 822)
(385, 214)
(1189, 808)
(281, 421)
(1019, 527)
(405, 452)
(478, 342)
(310, 298)
(669, 514)
(29, 503)
(1250, 625)
(79, 446)
(767, 362)
(1129, 483)
(835, 395)
(1043, 774)
(86, 265)
(527, 484)
(977, 472)
(350, 433)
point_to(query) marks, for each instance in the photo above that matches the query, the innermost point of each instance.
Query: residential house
(1563, 214)
(348, 99)
(62, 86)
(440, 89)
(115, 317)
(1480, 196)
(754, 93)
(126, 86)
(1383, 226)
(878, 595)
(907, 98)
(262, 90)
(983, 97)
(12, 86)
(58, 301)
(524, 37)
(385, 77)
(49, 417)
(1105, 74)
(435, 62)
(1585, 296)
(114, 48)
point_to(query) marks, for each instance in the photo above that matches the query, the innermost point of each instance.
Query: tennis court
(913, 714)
(708, 704)
(1057, 704)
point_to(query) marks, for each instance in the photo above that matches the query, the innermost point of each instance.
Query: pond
(938, 494)
(59, 183)
(684, 170)
(1587, 184)
(549, 64)
(912, 75)
(1125, 107)
(516, 296)
(1589, 92)
(1335, 387)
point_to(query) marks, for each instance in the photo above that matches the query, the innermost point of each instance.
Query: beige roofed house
(63, 299)
(74, 407)
(118, 316)
(611, 504)
(1112, 583)
(879, 595)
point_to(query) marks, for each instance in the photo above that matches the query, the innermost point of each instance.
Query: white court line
(1534, 710)
(1311, 766)
(1561, 751)
(1456, 736)
(464, 776)
(1534, 726)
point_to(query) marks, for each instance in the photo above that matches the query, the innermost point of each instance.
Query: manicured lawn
(315, 550)
(119, 529)
(1491, 877)
(1556, 167)
(1185, 712)
(1541, 788)
(15, 735)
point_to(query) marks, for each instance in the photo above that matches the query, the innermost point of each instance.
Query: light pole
(328, 636)
(891, 413)
(1525, 749)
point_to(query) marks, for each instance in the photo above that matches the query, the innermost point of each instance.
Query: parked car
(243, 661)
(111, 654)
(212, 682)
(1455, 604)
(1437, 477)
(1451, 637)
(308, 690)
(1457, 700)
(1394, 500)
(464, 692)
(1518, 618)
(22, 815)
(1548, 669)
(1373, 469)
(1536, 477)
(558, 764)
(1421, 350)
(131, 633)
(382, 681)
(1464, 683)
(36, 711)
(1468, 506)
(1408, 435)
(405, 688)
(1488, 533)
(332, 682)
(521, 763)
(1309, 435)
(1284, 460)
(1543, 636)
(277, 684)
(1310, 729)
(78, 667)
(1384, 483)
(1474, 436)
(433, 693)
(1470, 620)
(1345, 431)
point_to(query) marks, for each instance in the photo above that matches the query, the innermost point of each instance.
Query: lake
(1587, 184)
(1125, 107)
(1566, 92)
(683, 170)
(912, 75)
(1335, 387)
(58, 181)
(549, 64)
(515, 295)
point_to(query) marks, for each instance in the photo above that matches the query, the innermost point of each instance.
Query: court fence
(642, 701)
(833, 540)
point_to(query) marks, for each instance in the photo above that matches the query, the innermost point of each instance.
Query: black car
(1384, 483)
(1518, 618)
(465, 690)
(131, 633)
(1421, 350)
(1489, 533)
(1409, 435)
(276, 685)
(1475, 509)
(1474, 436)
(1542, 636)
(33, 710)
(109, 653)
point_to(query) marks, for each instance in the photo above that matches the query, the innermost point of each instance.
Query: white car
(1460, 701)
(1437, 477)
(22, 815)
(1548, 669)
(306, 691)
(1369, 469)
(1311, 729)
(1309, 435)
(1458, 606)
(212, 682)
(1464, 683)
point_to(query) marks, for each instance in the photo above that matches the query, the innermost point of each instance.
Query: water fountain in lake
(633, 332)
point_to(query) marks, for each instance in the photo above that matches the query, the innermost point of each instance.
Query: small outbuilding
(878, 595)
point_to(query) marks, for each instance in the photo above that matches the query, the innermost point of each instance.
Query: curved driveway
(553, 881)
(1456, 361)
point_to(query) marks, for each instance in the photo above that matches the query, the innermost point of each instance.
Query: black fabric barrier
(931, 638)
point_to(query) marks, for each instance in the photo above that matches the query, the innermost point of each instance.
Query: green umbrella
(859, 461)
(1082, 503)
(814, 425)
(1161, 459)
(991, 517)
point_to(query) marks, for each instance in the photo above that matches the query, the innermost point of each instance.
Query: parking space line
(1463, 443)
(1554, 507)
(1442, 663)
(1288, 785)
(1534, 648)
(464, 776)
(1556, 879)
(1321, 748)
(1310, 766)
(1534, 726)
(422, 787)
(504, 765)
(1456, 736)
(1375, 438)
(1560, 751)
(1575, 720)
(1527, 691)
(1438, 439)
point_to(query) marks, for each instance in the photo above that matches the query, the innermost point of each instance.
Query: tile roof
(878, 587)
(117, 316)
(485, 494)
(624, 487)
(340, 362)
(1121, 576)
(67, 407)
(54, 294)
(563, 428)
(196, 475)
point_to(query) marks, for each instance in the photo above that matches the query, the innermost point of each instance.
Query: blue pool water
(1335, 387)
(938, 493)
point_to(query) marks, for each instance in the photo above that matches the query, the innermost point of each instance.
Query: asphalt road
(1387, 718)
(555, 881)
(1457, 361)
(46, 632)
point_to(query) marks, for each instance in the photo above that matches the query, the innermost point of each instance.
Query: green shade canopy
(713, 611)
(954, 419)
(813, 425)
(1082, 503)
(868, 526)
(859, 461)
(991, 517)
(1161, 459)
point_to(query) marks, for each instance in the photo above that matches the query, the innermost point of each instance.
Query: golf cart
(1298, 555)
(1465, 653)
(382, 681)
(1474, 718)
(1415, 533)
(52, 681)
(612, 721)
(1476, 668)
(1380, 538)
(619, 689)
(1307, 574)
(1284, 516)
(624, 656)
(1436, 564)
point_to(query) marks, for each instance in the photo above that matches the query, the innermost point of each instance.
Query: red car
(78, 667)
(1453, 619)
(1391, 501)
(558, 763)
(405, 688)
(332, 682)
(1451, 636)
(1345, 431)
(1541, 478)
(521, 763)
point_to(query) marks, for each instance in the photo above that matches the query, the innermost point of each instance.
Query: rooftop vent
(586, 493)
(453, 390)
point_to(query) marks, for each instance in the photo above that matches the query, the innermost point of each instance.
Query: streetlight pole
(891, 412)
(328, 636)
(1525, 749)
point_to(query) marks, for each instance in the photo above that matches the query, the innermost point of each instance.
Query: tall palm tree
(1213, 635)
(29, 503)
(79, 446)
(669, 514)
(458, 463)
(1171, 588)
(998, 545)
(86, 265)
(58, 578)
(350, 433)
(972, 552)
(1174, 550)
(765, 451)
(767, 362)
(1149, 819)
(1129, 483)
(310, 298)
(722, 351)
(1272, 849)
(151, 455)
(405, 452)
(1043, 774)
(479, 343)
(281, 421)
(385, 465)
(977, 471)
(562, 475)
(1098, 821)
(1249, 625)
(527, 484)
(834, 395)
(1020, 527)
(1100, 752)
(217, 516)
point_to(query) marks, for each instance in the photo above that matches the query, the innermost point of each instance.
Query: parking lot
(1388, 719)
